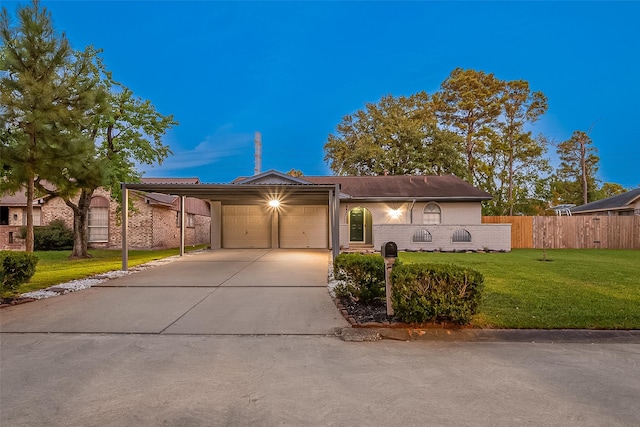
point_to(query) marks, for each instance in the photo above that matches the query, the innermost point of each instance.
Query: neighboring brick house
(275, 210)
(154, 224)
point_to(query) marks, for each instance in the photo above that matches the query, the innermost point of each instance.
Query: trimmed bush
(362, 276)
(435, 292)
(16, 268)
(53, 237)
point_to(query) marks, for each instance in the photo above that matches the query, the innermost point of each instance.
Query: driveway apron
(220, 292)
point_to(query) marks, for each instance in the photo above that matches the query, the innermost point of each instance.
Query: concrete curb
(371, 331)
(576, 336)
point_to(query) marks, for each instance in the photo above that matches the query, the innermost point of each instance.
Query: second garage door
(303, 227)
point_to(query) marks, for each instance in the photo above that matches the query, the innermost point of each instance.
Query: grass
(55, 267)
(593, 289)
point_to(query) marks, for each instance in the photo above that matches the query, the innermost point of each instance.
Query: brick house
(154, 224)
(275, 210)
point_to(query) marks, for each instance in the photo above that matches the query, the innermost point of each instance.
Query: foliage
(55, 236)
(474, 127)
(16, 268)
(68, 121)
(470, 102)
(362, 276)
(576, 177)
(395, 136)
(435, 292)
(515, 159)
(48, 92)
(523, 292)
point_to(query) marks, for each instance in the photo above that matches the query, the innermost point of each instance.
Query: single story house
(275, 210)
(154, 224)
(624, 204)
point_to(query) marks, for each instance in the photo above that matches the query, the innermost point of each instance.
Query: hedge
(16, 268)
(362, 276)
(435, 292)
(53, 237)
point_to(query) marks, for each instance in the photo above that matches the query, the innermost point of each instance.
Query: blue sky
(292, 70)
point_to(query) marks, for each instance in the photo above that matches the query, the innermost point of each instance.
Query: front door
(356, 225)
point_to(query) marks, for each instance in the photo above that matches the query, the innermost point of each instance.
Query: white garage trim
(304, 226)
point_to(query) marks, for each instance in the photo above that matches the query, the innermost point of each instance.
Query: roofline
(417, 199)
(619, 208)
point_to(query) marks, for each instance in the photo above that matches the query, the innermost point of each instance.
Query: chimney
(258, 153)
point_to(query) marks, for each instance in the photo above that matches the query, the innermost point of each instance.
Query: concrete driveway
(221, 292)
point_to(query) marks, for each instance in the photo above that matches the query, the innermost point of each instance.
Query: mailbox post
(389, 252)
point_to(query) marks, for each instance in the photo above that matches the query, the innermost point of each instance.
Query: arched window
(431, 214)
(99, 220)
(421, 236)
(461, 235)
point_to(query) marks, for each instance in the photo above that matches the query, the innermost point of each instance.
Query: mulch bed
(375, 311)
(374, 314)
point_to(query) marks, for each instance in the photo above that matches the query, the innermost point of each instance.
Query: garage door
(303, 227)
(246, 227)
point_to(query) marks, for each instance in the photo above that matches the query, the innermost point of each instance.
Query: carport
(264, 202)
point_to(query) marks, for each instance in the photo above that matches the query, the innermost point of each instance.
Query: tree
(48, 91)
(128, 131)
(576, 175)
(296, 173)
(394, 136)
(514, 158)
(469, 102)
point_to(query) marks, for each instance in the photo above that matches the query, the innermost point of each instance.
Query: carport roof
(224, 192)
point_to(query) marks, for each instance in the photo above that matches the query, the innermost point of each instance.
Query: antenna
(258, 153)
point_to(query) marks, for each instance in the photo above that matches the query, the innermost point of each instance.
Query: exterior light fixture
(274, 203)
(395, 213)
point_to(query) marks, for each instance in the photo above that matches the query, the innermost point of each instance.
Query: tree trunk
(30, 195)
(81, 224)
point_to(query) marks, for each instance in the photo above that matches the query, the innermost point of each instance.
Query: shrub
(16, 268)
(362, 276)
(435, 292)
(53, 237)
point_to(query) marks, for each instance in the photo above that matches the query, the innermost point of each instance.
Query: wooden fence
(571, 232)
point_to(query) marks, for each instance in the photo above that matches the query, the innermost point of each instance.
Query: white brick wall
(495, 237)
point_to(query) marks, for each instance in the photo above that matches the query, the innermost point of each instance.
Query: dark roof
(617, 202)
(446, 187)
(194, 180)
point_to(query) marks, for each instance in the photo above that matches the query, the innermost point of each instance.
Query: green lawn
(54, 267)
(590, 288)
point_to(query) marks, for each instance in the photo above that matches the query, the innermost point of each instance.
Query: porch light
(395, 213)
(274, 203)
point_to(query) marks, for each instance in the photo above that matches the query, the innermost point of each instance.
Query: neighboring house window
(4, 215)
(461, 235)
(421, 236)
(189, 220)
(37, 214)
(99, 220)
(431, 214)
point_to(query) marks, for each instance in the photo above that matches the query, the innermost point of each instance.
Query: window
(4, 215)
(189, 220)
(99, 220)
(431, 214)
(461, 235)
(421, 236)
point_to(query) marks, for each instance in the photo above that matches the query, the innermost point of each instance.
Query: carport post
(334, 202)
(182, 204)
(125, 226)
